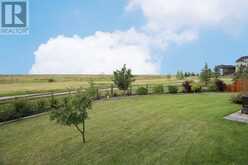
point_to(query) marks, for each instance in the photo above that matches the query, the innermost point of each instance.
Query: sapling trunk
(84, 131)
(81, 132)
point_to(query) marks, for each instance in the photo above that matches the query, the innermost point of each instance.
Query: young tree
(73, 111)
(91, 90)
(216, 72)
(205, 74)
(123, 78)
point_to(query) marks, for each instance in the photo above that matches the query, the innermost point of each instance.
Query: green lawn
(154, 130)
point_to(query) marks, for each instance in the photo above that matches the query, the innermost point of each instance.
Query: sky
(150, 36)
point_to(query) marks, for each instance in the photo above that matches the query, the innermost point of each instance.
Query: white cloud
(99, 53)
(181, 15)
(177, 21)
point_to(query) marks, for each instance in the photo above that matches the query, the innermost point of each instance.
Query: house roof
(225, 67)
(241, 59)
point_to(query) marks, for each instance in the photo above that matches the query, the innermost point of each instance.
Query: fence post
(112, 90)
(130, 89)
(147, 87)
(97, 94)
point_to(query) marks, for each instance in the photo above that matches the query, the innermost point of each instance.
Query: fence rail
(102, 91)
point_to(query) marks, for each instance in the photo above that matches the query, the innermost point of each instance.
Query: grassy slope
(179, 129)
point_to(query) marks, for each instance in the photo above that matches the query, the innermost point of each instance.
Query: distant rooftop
(225, 67)
(242, 59)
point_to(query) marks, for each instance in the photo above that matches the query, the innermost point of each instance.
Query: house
(241, 62)
(226, 70)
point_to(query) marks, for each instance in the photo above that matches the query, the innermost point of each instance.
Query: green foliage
(123, 78)
(54, 103)
(7, 113)
(73, 111)
(142, 91)
(188, 74)
(237, 99)
(180, 75)
(216, 73)
(220, 85)
(211, 87)
(196, 87)
(158, 89)
(216, 85)
(51, 80)
(172, 89)
(42, 106)
(23, 108)
(205, 74)
(168, 76)
(92, 90)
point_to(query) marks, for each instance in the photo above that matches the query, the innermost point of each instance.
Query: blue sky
(49, 19)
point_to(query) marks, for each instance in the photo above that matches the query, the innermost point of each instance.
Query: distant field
(144, 130)
(25, 84)
(13, 85)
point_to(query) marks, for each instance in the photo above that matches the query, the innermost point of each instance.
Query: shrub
(186, 87)
(142, 91)
(216, 86)
(196, 87)
(115, 94)
(41, 106)
(219, 85)
(172, 89)
(237, 99)
(6, 113)
(53, 103)
(212, 87)
(51, 80)
(159, 89)
(92, 90)
(23, 108)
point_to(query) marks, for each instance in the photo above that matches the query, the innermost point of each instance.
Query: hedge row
(23, 108)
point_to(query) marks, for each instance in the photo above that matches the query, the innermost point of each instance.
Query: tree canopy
(123, 78)
(205, 74)
(73, 111)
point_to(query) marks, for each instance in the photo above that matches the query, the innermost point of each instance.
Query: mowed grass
(142, 130)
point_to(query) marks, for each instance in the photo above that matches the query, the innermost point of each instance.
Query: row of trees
(180, 75)
(205, 75)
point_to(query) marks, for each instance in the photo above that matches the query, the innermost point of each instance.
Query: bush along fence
(23, 107)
